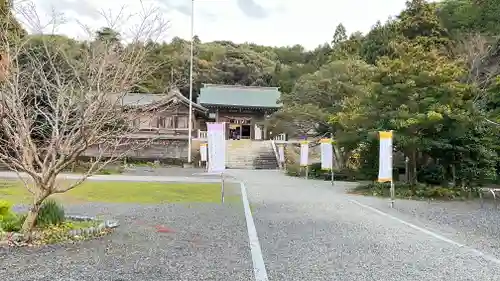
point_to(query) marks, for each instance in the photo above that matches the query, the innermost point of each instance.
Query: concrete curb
(91, 231)
(84, 232)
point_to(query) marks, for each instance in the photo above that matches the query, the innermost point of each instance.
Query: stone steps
(245, 154)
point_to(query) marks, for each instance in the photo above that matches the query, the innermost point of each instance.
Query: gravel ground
(310, 231)
(208, 242)
(465, 222)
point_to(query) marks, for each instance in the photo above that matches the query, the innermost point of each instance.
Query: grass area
(126, 192)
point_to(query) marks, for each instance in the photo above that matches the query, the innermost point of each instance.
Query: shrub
(315, 172)
(51, 213)
(55, 233)
(293, 170)
(9, 221)
(432, 174)
(12, 223)
(403, 190)
(5, 208)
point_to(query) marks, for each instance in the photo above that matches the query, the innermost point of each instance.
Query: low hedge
(315, 172)
(420, 191)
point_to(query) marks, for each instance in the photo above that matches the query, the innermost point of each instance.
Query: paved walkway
(305, 230)
(309, 230)
(193, 176)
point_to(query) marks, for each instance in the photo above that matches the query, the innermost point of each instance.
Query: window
(182, 122)
(136, 123)
(160, 122)
(164, 122)
(169, 122)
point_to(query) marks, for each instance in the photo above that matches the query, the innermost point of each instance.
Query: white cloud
(286, 22)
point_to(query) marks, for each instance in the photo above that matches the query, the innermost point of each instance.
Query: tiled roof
(244, 96)
(142, 99)
(138, 99)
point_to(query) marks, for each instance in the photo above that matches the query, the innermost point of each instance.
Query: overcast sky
(267, 22)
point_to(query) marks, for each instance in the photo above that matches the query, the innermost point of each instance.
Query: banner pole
(222, 187)
(392, 194)
(307, 172)
(333, 177)
(393, 191)
(333, 159)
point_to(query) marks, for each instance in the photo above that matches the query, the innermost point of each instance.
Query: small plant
(294, 171)
(51, 213)
(12, 223)
(5, 208)
(55, 233)
(403, 190)
(9, 221)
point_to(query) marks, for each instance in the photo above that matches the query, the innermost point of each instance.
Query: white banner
(326, 154)
(385, 157)
(281, 153)
(304, 153)
(203, 152)
(216, 137)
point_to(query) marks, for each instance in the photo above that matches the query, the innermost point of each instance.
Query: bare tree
(59, 99)
(4, 66)
(481, 56)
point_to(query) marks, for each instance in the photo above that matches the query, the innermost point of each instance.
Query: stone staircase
(248, 154)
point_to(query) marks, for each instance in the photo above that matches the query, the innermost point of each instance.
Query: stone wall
(171, 151)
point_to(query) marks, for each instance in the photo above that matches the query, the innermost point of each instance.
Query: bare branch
(61, 97)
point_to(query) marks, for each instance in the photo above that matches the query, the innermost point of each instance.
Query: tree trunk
(339, 160)
(412, 173)
(453, 175)
(29, 222)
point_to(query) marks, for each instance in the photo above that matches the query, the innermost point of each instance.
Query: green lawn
(126, 192)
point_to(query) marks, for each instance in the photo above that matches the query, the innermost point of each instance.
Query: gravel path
(209, 242)
(309, 230)
(465, 222)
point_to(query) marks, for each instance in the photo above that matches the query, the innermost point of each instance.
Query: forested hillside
(431, 74)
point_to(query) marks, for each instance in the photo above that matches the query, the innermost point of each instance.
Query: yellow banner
(385, 157)
(385, 135)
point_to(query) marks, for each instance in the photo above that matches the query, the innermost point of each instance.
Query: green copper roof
(244, 96)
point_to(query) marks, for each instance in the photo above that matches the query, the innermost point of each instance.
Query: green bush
(51, 213)
(432, 174)
(12, 223)
(294, 171)
(5, 208)
(315, 172)
(9, 221)
(403, 190)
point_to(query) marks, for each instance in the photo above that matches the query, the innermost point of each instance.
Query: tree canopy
(431, 74)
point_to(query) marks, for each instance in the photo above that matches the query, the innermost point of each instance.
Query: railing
(276, 154)
(493, 192)
(202, 134)
(280, 137)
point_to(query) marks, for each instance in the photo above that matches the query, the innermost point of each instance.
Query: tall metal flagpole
(190, 126)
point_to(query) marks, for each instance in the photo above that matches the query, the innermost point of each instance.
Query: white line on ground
(259, 267)
(431, 233)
